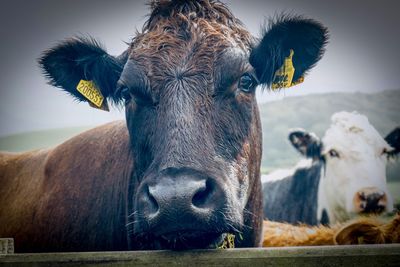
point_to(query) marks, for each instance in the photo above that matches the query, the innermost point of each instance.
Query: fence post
(6, 246)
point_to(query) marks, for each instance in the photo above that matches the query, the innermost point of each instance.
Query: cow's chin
(183, 241)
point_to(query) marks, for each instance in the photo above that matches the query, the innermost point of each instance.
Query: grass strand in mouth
(229, 242)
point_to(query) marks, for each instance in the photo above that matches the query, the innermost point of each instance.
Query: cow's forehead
(173, 41)
(352, 132)
(199, 51)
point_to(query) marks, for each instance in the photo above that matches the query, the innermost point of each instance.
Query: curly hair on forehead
(206, 9)
(176, 21)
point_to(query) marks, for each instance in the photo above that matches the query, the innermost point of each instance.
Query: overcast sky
(363, 53)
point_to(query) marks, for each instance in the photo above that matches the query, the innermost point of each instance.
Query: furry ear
(79, 58)
(308, 144)
(303, 38)
(359, 232)
(393, 139)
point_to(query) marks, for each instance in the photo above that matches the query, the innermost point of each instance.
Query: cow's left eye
(247, 83)
(333, 153)
(389, 153)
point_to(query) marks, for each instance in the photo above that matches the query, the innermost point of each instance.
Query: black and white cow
(344, 174)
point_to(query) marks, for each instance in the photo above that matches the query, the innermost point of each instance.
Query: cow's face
(188, 85)
(355, 157)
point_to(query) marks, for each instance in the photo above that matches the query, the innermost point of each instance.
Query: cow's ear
(84, 62)
(308, 144)
(288, 41)
(360, 232)
(393, 139)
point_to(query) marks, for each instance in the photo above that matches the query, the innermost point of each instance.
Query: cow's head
(355, 157)
(188, 85)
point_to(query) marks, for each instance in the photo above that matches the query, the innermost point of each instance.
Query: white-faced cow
(185, 168)
(346, 174)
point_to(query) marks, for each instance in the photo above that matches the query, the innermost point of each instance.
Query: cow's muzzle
(183, 209)
(370, 200)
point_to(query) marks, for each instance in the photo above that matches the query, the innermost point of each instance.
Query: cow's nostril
(203, 195)
(152, 204)
(370, 200)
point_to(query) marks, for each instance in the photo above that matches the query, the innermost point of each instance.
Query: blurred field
(394, 188)
(38, 139)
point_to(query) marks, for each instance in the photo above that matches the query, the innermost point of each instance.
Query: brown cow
(185, 170)
(363, 230)
(70, 198)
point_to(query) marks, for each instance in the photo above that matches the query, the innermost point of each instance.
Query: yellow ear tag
(90, 91)
(283, 77)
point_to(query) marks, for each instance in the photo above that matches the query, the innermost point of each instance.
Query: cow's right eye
(247, 83)
(126, 94)
(333, 153)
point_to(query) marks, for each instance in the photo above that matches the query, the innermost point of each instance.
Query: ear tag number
(284, 75)
(91, 93)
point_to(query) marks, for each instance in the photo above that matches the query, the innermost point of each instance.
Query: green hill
(38, 139)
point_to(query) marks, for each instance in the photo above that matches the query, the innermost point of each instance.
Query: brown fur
(369, 231)
(278, 234)
(77, 183)
(366, 230)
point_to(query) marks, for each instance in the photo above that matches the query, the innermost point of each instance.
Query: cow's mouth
(181, 241)
(191, 240)
(376, 210)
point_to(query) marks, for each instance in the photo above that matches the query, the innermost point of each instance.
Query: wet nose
(180, 202)
(370, 200)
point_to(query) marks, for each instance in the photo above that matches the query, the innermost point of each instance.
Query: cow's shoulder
(94, 152)
(14, 169)
(92, 167)
(86, 180)
(108, 136)
(97, 159)
(281, 174)
(308, 176)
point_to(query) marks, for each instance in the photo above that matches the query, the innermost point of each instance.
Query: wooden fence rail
(362, 255)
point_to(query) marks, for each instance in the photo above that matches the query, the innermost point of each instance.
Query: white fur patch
(283, 173)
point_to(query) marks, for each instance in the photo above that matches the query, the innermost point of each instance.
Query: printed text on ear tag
(284, 75)
(89, 90)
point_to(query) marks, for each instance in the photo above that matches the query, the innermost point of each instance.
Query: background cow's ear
(393, 139)
(76, 59)
(359, 232)
(308, 144)
(305, 37)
